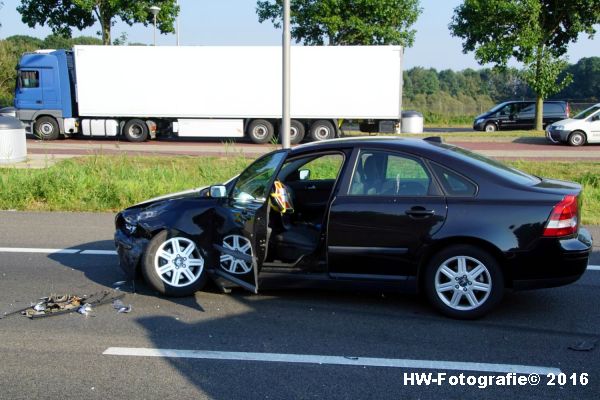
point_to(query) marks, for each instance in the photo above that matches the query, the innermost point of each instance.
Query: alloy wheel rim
(463, 283)
(178, 262)
(577, 139)
(490, 128)
(234, 265)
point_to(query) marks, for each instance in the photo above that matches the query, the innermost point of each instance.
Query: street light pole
(285, 123)
(177, 23)
(154, 10)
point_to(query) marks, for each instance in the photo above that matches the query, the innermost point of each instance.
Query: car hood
(197, 192)
(566, 122)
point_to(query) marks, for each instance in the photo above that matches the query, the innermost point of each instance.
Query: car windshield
(254, 183)
(493, 165)
(587, 112)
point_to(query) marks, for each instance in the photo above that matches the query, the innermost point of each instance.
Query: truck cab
(43, 93)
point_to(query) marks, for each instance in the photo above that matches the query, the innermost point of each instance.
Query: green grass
(110, 183)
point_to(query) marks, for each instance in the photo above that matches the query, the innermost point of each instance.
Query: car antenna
(434, 139)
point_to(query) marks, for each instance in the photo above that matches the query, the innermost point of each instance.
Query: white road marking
(100, 252)
(593, 267)
(331, 360)
(35, 250)
(57, 251)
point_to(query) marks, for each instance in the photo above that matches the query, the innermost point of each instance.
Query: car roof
(413, 145)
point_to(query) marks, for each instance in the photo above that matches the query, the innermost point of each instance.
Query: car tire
(135, 130)
(172, 267)
(576, 138)
(490, 127)
(260, 131)
(463, 282)
(322, 130)
(46, 128)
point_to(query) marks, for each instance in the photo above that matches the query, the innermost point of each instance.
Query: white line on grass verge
(331, 360)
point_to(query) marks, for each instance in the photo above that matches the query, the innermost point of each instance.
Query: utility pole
(177, 23)
(285, 122)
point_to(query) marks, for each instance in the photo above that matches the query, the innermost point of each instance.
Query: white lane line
(57, 251)
(331, 360)
(593, 267)
(100, 252)
(35, 250)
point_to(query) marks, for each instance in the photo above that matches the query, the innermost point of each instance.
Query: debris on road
(121, 307)
(584, 345)
(64, 304)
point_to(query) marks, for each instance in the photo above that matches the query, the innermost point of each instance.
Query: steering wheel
(281, 197)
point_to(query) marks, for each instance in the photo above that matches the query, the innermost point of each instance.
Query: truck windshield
(587, 112)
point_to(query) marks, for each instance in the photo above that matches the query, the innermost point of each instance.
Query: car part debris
(64, 304)
(121, 307)
(584, 345)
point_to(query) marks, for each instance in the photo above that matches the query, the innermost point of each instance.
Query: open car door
(243, 237)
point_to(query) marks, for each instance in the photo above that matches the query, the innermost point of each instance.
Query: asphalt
(61, 357)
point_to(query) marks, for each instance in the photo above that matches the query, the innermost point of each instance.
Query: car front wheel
(463, 282)
(174, 265)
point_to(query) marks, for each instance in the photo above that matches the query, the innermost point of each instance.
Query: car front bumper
(556, 136)
(130, 250)
(554, 262)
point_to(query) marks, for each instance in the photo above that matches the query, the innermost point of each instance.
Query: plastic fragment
(584, 345)
(41, 306)
(85, 309)
(121, 307)
(119, 283)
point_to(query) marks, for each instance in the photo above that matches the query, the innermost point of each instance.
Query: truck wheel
(322, 130)
(296, 132)
(174, 265)
(260, 131)
(490, 127)
(576, 139)
(46, 128)
(135, 130)
(464, 282)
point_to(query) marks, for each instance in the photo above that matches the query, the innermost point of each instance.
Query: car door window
(254, 183)
(380, 173)
(453, 183)
(326, 167)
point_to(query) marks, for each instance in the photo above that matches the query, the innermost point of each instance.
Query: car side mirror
(218, 191)
(304, 174)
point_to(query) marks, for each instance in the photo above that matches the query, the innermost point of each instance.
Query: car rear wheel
(174, 265)
(490, 127)
(463, 282)
(576, 139)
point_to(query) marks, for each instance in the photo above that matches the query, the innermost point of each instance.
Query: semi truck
(141, 92)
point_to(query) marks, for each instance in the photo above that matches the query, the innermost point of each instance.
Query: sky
(234, 22)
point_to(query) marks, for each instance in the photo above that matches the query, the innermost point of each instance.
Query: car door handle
(311, 187)
(38, 102)
(419, 212)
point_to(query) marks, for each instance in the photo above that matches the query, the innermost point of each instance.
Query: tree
(536, 33)
(64, 15)
(586, 81)
(346, 22)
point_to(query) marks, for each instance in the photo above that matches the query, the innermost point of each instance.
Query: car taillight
(568, 110)
(563, 220)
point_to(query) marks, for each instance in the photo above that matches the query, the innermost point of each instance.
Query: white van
(581, 129)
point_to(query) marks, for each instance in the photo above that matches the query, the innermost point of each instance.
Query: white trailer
(226, 91)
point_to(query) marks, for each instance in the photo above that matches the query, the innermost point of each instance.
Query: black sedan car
(406, 214)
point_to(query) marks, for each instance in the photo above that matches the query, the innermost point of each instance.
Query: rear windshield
(492, 166)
